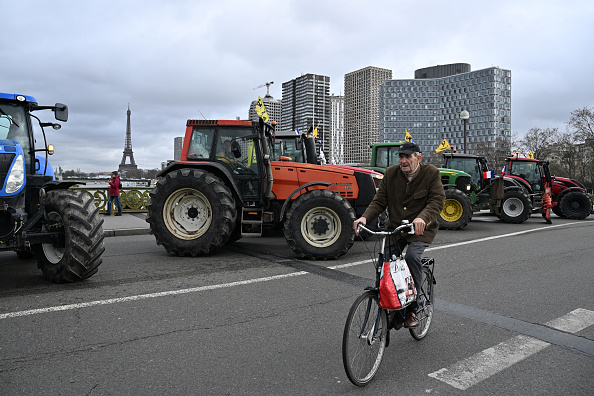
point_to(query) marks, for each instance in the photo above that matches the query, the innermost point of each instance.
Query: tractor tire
(77, 252)
(515, 207)
(575, 205)
(457, 211)
(319, 225)
(191, 212)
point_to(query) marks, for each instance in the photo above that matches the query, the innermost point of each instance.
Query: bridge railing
(133, 199)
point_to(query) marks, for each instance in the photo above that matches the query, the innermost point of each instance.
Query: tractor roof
(19, 97)
(220, 122)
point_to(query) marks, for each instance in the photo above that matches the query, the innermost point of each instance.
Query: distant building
(273, 109)
(178, 144)
(429, 107)
(306, 103)
(361, 109)
(336, 141)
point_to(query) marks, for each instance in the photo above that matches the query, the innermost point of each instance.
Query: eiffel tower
(131, 168)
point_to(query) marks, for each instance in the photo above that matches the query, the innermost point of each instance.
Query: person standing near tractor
(410, 191)
(114, 193)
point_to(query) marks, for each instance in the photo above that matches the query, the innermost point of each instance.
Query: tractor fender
(298, 189)
(59, 185)
(567, 190)
(219, 170)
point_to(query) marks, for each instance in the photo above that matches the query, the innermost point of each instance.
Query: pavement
(125, 225)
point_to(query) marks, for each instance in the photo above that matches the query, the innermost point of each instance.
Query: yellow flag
(443, 146)
(261, 110)
(408, 138)
(530, 155)
(315, 132)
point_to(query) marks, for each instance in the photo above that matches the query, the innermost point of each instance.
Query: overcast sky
(173, 60)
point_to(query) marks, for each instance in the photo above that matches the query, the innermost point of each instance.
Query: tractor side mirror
(61, 112)
(298, 143)
(236, 149)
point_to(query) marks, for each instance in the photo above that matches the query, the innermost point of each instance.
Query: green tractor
(459, 203)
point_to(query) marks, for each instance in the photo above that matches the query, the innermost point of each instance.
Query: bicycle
(366, 335)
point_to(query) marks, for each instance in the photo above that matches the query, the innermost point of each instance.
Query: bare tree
(540, 141)
(494, 154)
(581, 124)
(566, 156)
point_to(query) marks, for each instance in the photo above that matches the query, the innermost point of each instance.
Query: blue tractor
(40, 216)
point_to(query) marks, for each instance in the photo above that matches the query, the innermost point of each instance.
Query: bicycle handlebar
(405, 224)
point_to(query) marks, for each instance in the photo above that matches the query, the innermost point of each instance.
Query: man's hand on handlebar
(360, 220)
(419, 226)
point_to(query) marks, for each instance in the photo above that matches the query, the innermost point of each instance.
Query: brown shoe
(411, 320)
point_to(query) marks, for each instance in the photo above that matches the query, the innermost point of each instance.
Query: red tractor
(228, 185)
(565, 197)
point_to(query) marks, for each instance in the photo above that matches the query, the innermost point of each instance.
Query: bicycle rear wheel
(425, 306)
(364, 339)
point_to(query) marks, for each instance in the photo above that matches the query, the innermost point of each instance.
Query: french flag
(489, 175)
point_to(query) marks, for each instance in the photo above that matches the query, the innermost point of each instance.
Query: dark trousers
(413, 256)
(119, 206)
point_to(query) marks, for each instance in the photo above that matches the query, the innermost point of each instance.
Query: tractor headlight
(16, 177)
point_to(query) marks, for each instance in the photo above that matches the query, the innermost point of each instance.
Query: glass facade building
(306, 103)
(336, 143)
(429, 108)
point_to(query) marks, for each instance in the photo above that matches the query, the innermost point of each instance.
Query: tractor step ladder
(251, 222)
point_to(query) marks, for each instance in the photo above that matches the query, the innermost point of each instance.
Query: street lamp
(464, 116)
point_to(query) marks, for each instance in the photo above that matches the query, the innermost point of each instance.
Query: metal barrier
(133, 199)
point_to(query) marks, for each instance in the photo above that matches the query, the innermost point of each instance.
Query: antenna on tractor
(268, 84)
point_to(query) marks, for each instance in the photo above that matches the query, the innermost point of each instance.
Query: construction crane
(268, 84)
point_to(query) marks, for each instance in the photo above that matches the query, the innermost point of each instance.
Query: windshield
(468, 165)
(386, 156)
(527, 170)
(13, 126)
(287, 146)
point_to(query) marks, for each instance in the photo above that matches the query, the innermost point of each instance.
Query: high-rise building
(273, 108)
(429, 106)
(336, 141)
(361, 102)
(178, 144)
(306, 103)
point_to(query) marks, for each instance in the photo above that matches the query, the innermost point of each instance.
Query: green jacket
(422, 197)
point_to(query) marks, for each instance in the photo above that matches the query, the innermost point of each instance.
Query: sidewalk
(126, 224)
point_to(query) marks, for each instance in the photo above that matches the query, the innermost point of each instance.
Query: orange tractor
(226, 186)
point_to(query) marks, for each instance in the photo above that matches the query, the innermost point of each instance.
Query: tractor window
(527, 170)
(287, 146)
(381, 157)
(200, 143)
(13, 126)
(236, 150)
(468, 165)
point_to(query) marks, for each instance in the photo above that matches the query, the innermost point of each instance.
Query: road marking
(246, 282)
(145, 296)
(470, 371)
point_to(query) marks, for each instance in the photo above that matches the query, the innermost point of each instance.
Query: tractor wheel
(191, 212)
(457, 211)
(515, 207)
(319, 225)
(76, 253)
(576, 205)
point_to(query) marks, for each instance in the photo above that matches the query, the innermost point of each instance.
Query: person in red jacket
(114, 193)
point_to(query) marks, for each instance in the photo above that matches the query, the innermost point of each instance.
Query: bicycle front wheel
(425, 306)
(364, 339)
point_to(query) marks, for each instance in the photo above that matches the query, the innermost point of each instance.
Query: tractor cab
(231, 146)
(474, 165)
(529, 171)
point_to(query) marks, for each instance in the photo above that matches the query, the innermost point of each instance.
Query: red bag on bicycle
(397, 288)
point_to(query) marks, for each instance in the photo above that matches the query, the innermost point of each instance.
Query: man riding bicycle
(410, 191)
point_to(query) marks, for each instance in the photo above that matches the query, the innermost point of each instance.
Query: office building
(429, 107)
(178, 144)
(361, 107)
(273, 109)
(336, 141)
(305, 104)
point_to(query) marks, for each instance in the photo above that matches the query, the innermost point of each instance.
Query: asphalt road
(514, 316)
